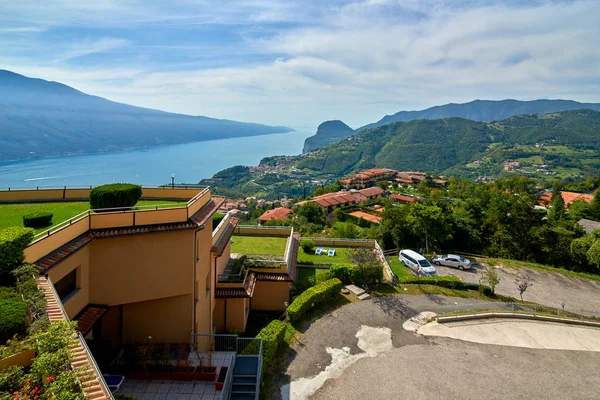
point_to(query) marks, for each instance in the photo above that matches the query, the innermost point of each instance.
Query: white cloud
(354, 61)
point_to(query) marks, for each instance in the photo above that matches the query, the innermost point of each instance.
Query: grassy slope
(540, 267)
(274, 246)
(12, 214)
(399, 269)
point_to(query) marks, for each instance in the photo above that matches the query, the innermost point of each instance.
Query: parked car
(418, 264)
(452, 260)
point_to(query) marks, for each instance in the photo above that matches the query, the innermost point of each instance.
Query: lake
(189, 162)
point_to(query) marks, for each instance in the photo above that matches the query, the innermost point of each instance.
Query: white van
(417, 263)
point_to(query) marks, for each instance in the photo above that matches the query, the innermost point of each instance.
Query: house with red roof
(403, 199)
(568, 197)
(279, 213)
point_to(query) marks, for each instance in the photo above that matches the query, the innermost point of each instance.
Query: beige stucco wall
(80, 260)
(270, 296)
(137, 268)
(167, 320)
(236, 315)
(219, 315)
(204, 265)
(48, 244)
(224, 259)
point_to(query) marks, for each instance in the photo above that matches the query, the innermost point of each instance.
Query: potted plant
(162, 368)
(184, 371)
(221, 378)
(205, 371)
(139, 365)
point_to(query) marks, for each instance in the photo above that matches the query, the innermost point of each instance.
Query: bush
(450, 282)
(12, 244)
(11, 379)
(366, 275)
(217, 218)
(115, 195)
(307, 245)
(272, 336)
(7, 293)
(38, 219)
(313, 296)
(13, 318)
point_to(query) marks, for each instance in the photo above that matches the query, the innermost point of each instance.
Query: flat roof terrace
(183, 207)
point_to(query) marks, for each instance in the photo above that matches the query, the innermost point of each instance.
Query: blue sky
(298, 63)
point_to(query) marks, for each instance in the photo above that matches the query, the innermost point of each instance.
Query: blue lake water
(189, 162)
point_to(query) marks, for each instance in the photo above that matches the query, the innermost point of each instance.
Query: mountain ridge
(40, 118)
(476, 110)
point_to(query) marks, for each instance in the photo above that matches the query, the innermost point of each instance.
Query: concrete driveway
(550, 289)
(361, 351)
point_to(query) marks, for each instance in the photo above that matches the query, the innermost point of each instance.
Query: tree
(428, 221)
(383, 184)
(491, 277)
(594, 209)
(523, 284)
(369, 268)
(395, 185)
(313, 213)
(593, 255)
(557, 210)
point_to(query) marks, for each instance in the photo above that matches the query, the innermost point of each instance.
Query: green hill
(328, 132)
(477, 110)
(436, 146)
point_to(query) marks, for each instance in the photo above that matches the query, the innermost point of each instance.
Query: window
(207, 284)
(67, 285)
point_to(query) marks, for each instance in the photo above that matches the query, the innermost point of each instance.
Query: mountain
(327, 132)
(561, 145)
(39, 118)
(477, 110)
(570, 138)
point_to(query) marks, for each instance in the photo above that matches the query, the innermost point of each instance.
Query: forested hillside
(478, 110)
(437, 145)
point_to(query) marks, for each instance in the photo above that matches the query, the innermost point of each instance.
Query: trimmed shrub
(272, 336)
(7, 293)
(313, 296)
(115, 195)
(307, 245)
(37, 219)
(345, 273)
(366, 275)
(217, 218)
(450, 282)
(13, 318)
(12, 244)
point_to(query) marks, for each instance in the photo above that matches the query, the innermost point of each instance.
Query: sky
(299, 63)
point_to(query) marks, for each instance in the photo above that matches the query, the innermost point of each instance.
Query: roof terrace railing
(165, 186)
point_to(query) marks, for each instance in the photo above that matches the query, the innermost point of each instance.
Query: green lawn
(305, 273)
(341, 256)
(273, 246)
(12, 214)
(399, 269)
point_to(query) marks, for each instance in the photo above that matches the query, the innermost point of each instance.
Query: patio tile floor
(169, 390)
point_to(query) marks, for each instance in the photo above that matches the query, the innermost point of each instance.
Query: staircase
(246, 378)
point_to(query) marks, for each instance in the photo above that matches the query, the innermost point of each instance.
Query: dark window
(66, 285)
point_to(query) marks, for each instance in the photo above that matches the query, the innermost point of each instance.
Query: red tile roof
(568, 197)
(279, 213)
(57, 256)
(88, 317)
(370, 192)
(368, 217)
(246, 291)
(403, 199)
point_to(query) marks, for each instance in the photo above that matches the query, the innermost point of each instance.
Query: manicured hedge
(272, 336)
(12, 244)
(451, 282)
(38, 219)
(349, 274)
(315, 295)
(115, 195)
(13, 317)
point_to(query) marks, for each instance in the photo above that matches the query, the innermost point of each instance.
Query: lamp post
(172, 181)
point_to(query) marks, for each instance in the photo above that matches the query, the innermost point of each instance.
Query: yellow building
(156, 272)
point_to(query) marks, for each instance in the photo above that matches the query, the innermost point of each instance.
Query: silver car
(452, 260)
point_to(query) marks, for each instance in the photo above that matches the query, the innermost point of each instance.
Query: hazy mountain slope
(478, 110)
(40, 118)
(327, 132)
(485, 110)
(437, 145)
